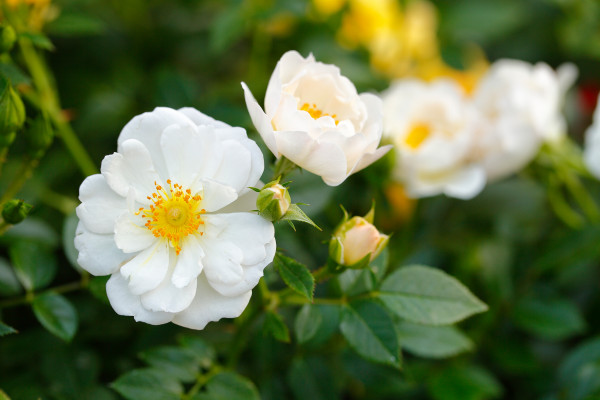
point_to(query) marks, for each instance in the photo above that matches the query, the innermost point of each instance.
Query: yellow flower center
(315, 113)
(173, 214)
(417, 135)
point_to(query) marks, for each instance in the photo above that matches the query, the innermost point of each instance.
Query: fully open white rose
(591, 153)
(161, 220)
(433, 128)
(314, 117)
(520, 105)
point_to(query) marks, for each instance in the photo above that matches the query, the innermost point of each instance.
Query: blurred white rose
(314, 117)
(433, 128)
(160, 219)
(520, 107)
(591, 153)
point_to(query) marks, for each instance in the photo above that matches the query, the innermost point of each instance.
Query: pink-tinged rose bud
(356, 241)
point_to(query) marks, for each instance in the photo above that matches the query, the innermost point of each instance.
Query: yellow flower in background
(38, 12)
(328, 7)
(477, 66)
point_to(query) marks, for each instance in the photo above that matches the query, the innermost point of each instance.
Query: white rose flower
(314, 117)
(161, 220)
(591, 153)
(520, 105)
(433, 127)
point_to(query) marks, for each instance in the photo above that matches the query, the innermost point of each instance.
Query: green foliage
(275, 326)
(56, 314)
(148, 384)
(428, 296)
(34, 264)
(464, 383)
(370, 331)
(228, 385)
(295, 275)
(432, 341)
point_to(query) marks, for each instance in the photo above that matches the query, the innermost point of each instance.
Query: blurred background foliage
(114, 59)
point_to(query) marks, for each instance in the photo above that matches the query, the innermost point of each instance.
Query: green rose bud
(8, 37)
(273, 201)
(12, 112)
(15, 211)
(356, 242)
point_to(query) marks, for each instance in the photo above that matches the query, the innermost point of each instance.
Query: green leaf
(370, 331)
(275, 326)
(553, 318)
(56, 314)
(34, 264)
(295, 275)
(148, 384)
(311, 380)
(39, 40)
(307, 323)
(579, 373)
(9, 284)
(432, 341)
(228, 386)
(295, 213)
(14, 74)
(6, 330)
(3, 395)
(464, 383)
(428, 296)
(179, 363)
(203, 352)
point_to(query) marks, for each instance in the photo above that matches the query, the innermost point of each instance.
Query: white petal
(222, 266)
(148, 269)
(216, 195)
(209, 305)
(148, 127)
(169, 298)
(238, 247)
(261, 121)
(125, 303)
(100, 206)
(132, 167)
(235, 165)
(244, 203)
(189, 262)
(467, 184)
(98, 253)
(131, 237)
(324, 159)
(257, 161)
(201, 119)
(369, 158)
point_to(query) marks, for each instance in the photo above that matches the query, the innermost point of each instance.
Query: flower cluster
(168, 218)
(448, 141)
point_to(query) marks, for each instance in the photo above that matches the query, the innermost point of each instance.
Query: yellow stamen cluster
(417, 135)
(315, 113)
(173, 214)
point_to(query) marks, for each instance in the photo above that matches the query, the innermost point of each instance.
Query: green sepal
(295, 213)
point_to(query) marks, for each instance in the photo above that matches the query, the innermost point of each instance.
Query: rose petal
(100, 205)
(189, 262)
(98, 253)
(261, 121)
(201, 119)
(125, 303)
(148, 269)
(167, 297)
(131, 237)
(209, 305)
(133, 168)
